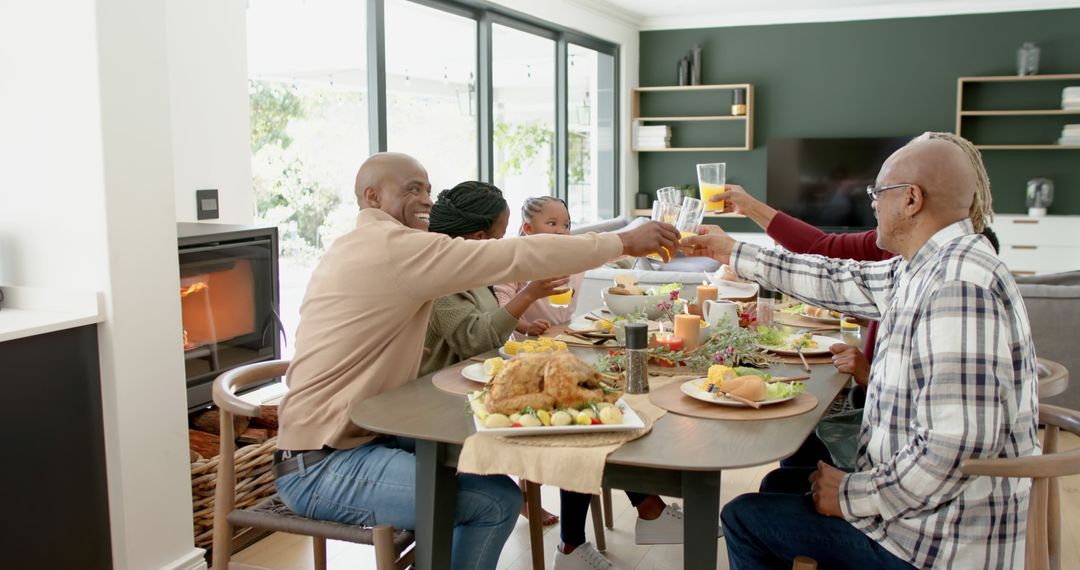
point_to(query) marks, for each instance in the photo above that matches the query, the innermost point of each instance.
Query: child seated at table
(542, 215)
(472, 322)
(657, 523)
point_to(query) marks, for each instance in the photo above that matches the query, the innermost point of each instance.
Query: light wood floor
(289, 552)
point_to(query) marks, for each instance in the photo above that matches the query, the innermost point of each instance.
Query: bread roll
(752, 388)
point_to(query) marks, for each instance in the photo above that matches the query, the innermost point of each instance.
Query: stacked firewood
(204, 433)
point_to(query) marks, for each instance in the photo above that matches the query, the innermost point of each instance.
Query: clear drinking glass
(670, 195)
(850, 331)
(711, 180)
(561, 300)
(690, 216)
(668, 213)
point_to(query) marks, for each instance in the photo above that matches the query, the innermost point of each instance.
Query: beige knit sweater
(365, 313)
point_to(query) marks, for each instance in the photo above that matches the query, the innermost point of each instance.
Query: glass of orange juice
(711, 180)
(690, 217)
(563, 299)
(667, 212)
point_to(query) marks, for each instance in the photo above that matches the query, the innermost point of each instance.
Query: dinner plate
(631, 422)
(693, 389)
(823, 344)
(475, 372)
(830, 319)
(507, 356)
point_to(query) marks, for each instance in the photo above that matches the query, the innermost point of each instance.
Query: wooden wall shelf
(747, 119)
(962, 113)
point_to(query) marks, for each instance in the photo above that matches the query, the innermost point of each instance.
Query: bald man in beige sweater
(361, 333)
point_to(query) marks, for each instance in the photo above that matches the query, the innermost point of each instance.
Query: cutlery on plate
(748, 402)
(805, 365)
(790, 379)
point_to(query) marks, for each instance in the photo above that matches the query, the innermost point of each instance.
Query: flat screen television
(823, 181)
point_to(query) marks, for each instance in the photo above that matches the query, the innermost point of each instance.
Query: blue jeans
(769, 529)
(376, 484)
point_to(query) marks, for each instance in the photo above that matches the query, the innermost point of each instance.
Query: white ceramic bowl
(629, 304)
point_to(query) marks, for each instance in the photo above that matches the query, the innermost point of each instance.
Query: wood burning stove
(229, 301)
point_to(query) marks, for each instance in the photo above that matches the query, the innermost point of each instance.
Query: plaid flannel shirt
(954, 377)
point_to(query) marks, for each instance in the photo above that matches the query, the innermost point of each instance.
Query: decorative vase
(1040, 194)
(695, 65)
(684, 71)
(1027, 59)
(642, 201)
(738, 102)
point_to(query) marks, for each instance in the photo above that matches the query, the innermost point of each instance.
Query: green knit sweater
(463, 325)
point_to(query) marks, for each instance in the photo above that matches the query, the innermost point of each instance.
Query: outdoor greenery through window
(590, 134)
(309, 130)
(523, 77)
(308, 69)
(431, 91)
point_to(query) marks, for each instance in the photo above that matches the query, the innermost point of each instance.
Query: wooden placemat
(450, 380)
(671, 398)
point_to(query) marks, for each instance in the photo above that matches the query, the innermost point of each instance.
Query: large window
(523, 95)
(432, 90)
(309, 129)
(590, 98)
(472, 92)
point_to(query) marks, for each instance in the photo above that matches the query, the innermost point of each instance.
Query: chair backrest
(1043, 547)
(225, 388)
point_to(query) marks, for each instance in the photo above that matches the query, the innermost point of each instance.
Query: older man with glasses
(954, 377)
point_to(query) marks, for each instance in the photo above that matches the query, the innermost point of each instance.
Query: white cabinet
(1030, 246)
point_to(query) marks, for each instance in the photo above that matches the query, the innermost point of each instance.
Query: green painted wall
(871, 78)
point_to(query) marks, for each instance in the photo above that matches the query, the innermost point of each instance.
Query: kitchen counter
(29, 311)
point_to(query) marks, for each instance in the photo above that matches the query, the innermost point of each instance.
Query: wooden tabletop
(421, 411)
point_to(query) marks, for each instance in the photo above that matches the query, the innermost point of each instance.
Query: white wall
(207, 66)
(604, 22)
(52, 226)
(87, 203)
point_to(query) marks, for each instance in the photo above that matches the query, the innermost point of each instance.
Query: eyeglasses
(873, 191)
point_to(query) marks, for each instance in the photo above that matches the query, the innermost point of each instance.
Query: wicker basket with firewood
(254, 460)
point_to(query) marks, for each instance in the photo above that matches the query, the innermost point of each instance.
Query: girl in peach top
(541, 215)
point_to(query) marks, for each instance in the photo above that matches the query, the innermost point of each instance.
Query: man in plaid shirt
(954, 378)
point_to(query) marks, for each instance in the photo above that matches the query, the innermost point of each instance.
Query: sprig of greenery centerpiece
(728, 346)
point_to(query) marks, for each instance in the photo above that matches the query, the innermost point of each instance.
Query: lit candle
(705, 293)
(672, 342)
(688, 327)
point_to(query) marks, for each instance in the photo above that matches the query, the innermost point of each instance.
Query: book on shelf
(652, 136)
(1070, 135)
(1070, 98)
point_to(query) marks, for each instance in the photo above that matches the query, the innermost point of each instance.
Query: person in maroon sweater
(798, 236)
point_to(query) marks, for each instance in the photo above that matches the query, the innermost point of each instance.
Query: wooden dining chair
(1053, 378)
(1043, 548)
(536, 525)
(394, 549)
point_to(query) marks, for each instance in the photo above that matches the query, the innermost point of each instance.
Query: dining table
(681, 456)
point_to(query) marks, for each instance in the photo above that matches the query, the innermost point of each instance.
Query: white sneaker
(664, 529)
(584, 557)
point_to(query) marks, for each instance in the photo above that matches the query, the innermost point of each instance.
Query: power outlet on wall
(206, 204)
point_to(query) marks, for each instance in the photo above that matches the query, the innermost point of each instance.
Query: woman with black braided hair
(471, 322)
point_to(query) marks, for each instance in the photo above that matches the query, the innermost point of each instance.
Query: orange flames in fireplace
(218, 306)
